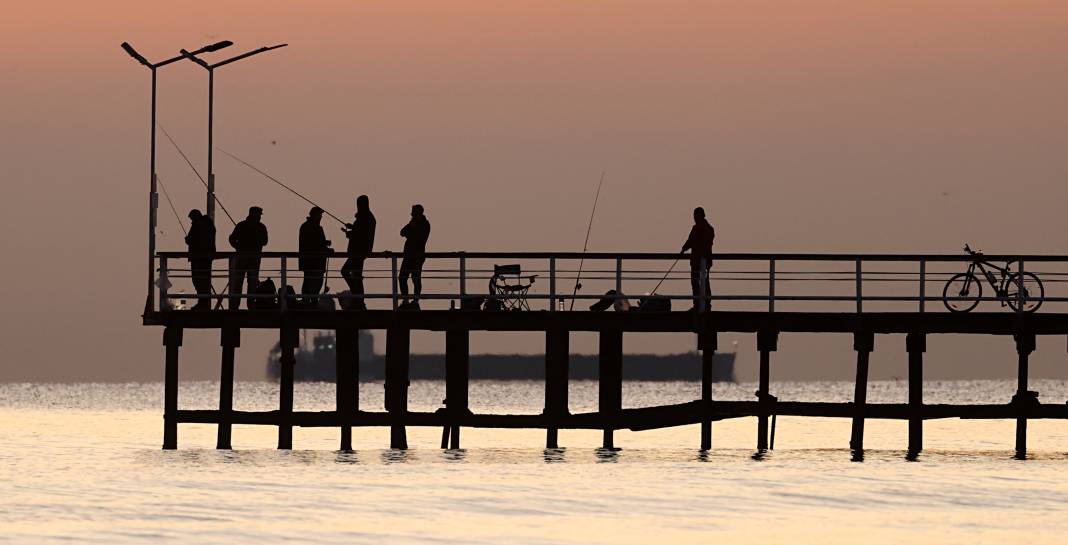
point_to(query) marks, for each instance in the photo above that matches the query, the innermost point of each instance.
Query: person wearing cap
(702, 235)
(248, 239)
(415, 234)
(313, 246)
(201, 243)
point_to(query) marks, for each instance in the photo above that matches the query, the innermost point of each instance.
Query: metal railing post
(860, 293)
(283, 294)
(163, 284)
(923, 284)
(552, 284)
(393, 268)
(1020, 286)
(619, 278)
(703, 279)
(771, 285)
(463, 278)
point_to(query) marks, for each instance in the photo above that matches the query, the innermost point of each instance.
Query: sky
(817, 126)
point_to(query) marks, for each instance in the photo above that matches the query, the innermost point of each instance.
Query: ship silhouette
(315, 362)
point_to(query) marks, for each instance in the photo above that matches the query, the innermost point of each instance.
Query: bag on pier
(264, 303)
(654, 303)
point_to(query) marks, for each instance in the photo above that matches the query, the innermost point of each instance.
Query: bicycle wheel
(1033, 292)
(962, 292)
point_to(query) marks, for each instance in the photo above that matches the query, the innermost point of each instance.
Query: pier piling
(230, 340)
(457, 380)
(610, 382)
(347, 373)
(172, 340)
(767, 342)
(1025, 344)
(863, 344)
(708, 341)
(557, 351)
(916, 345)
(288, 339)
(398, 340)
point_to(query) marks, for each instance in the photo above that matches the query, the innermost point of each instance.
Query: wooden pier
(870, 317)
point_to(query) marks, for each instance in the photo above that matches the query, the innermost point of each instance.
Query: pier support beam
(397, 350)
(1025, 344)
(172, 340)
(457, 380)
(767, 342)
(231, 339)
(610, 381)
(863, 343)
(287, 342)
(916, 345)
(347, 373)
(708, 340)
(557, 354)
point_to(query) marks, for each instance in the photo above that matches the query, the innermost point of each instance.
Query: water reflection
(607, 455)
(346, 457)
(856, 455)
(396, 456)
(554, 455)
(454, 454)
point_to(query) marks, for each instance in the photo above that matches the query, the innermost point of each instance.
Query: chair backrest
(501, 270)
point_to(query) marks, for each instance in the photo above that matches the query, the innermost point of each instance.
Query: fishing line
(190, 163)
(171, 203)
(666, 275)
(281, 183)
(586, 244)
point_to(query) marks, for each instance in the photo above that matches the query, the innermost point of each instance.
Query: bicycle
(1022, 292)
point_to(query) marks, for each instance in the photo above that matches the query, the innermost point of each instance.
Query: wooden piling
(863, 344)
(287, 342)
(610, 381)
(556, 381)
(767, 342)
(457, 380)
(709, 343)
(347, 373)
(1025, 344)
(397, 350)
(230, 340)
(916, 345)
(172, 340)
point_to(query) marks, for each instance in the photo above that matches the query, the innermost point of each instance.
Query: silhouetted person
(700, 245)
(201, 242)
(415, 234)
(361, 235)
(312, 241)
(249, 238)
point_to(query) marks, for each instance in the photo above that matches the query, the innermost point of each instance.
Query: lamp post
(192, 56)
(153, 197)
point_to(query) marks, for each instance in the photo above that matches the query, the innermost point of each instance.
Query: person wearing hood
(702, 235)
(313, 246)
(415, 234)
(201, 243)
(248, 239)
(361, 235)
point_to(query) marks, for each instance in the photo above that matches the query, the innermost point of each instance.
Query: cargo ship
(316, 362)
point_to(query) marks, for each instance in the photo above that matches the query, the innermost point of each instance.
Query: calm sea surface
(82, 463)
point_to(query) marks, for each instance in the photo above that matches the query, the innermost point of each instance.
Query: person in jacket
(201, 243)
(313, 241)
(699, 243)
(415, 234)
(361, 235)
(248, 239)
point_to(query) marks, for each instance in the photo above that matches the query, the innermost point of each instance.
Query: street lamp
(153, 197)
(192, 56)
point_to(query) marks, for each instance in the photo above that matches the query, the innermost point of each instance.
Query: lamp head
(133, 53)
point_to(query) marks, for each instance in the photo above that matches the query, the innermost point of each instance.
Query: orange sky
(801, 126)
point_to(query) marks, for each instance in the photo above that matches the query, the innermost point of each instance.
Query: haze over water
(83, 462)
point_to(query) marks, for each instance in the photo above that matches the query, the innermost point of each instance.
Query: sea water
(82, 462)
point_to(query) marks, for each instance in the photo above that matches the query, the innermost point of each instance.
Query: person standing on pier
(702, 235)
(415, 234)
(201, 243)
(248, 238)
(312, 240)
(361, 235)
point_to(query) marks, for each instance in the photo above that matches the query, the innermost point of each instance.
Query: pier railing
(737, 282)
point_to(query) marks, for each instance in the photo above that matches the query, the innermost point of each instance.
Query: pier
(871, 297)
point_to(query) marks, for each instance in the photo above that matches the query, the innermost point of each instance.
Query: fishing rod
(190, 163)
(171, 203)
(279, 182)
(676, 262)
(586, 244)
